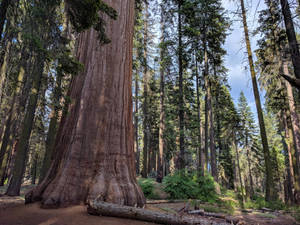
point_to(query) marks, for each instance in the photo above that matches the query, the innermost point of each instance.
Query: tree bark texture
(95, 147)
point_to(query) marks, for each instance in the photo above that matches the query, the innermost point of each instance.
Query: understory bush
(259, 202)
(184, 185)
(147, 186)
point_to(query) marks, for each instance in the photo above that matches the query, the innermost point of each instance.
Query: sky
(236, 59)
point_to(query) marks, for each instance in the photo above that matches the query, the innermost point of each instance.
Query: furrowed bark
(94, 152)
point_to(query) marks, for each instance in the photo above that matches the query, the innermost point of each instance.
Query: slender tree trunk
(201, 160)
(146, 79)
(34, 167)
(7, 133)
(291, 35)
(239, 172)
(287, 143)
(50, 141)
(160, 172)
(249, 167)
(22, 149)
(3, 69)
(206, 106)
(213, 157)
(182, 162)
(136, 123)
(95, 147)
(270, 192)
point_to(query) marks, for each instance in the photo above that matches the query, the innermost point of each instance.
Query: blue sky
(236, 59)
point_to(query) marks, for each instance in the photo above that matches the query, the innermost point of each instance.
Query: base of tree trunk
(100, 208)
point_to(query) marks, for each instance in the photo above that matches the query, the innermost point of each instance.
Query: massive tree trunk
(270, 192)
(94, 151)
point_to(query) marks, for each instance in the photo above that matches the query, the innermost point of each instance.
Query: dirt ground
(14, 212)
(33, 215)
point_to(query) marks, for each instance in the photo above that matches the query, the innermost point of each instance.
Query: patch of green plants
(295, 212)
(187, 185)
(259, 202)
(147, 186)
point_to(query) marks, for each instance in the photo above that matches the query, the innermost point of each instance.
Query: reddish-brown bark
(94, 150)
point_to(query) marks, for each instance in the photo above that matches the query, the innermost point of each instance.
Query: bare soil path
(14, 212)
(33, 215)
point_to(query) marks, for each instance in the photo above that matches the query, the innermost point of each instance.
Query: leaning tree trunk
(95, 153)
(270, 192)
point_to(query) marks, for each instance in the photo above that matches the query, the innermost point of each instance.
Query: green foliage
(147, 186)
(259, 202)
(182, 185)
(84, 14)
(206, 188)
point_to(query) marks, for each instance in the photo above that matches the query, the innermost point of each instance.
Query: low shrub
(147, 186)
(180, 185)
(184, 185)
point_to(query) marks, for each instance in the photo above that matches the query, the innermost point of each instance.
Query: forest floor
(14, 212)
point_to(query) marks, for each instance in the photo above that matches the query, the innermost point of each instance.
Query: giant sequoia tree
(94, 149)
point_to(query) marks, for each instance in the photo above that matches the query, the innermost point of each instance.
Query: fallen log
(113, 210)
(164, 201)
(201, 212)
